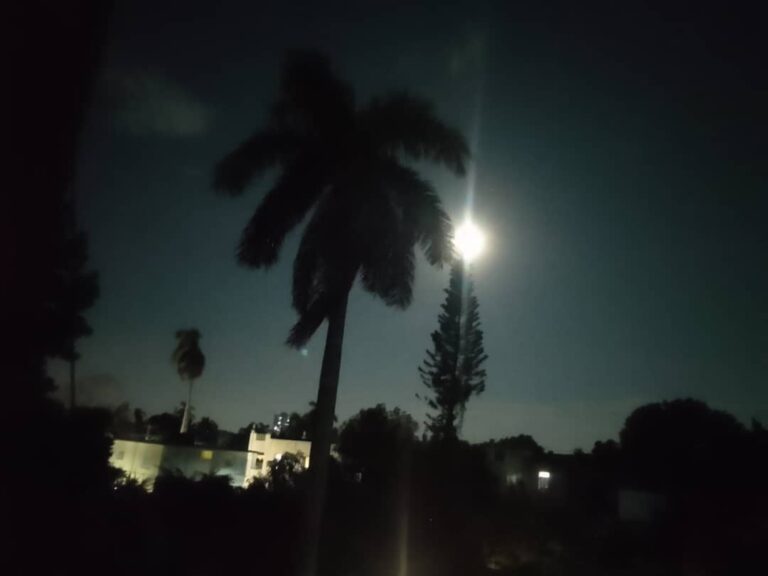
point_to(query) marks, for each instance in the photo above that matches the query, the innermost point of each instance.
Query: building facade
(144, 461)
(263, 449)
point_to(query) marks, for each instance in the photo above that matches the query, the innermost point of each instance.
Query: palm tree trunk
(322, 433)
(72, 383)
(187, 408)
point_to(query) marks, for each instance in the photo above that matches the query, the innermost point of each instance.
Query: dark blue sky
(620, 177)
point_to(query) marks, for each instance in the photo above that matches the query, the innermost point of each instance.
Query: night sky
(621, 179)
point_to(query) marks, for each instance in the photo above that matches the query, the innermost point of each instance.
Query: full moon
(469, 241)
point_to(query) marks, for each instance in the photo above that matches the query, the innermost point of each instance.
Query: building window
(206, 455)
(513, 478)
(544, 478)
(257, 463)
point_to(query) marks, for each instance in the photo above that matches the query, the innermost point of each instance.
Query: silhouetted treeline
(439, 508)
(53, 64)
(55, 481)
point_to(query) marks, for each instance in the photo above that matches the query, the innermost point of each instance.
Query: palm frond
(401, 123)
(283, 208)
(388, 262)
(329, 253)
(422, 211)
(308, 323)
(251, 158)
(309, 275)
(391, 278)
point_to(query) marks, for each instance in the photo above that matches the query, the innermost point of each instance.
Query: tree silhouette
(302, 426)
(453, 369)
(76, 291)
(164, 426)
(206, 431)
(190, 361)
(139, 421)
(373, 441)
(677, 445)
(342, 165)
(284, 471)
(38, 221)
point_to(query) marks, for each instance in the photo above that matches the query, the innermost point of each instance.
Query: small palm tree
(342, 165)
(189, 361)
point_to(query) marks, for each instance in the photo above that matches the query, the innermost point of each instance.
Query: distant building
(263, 448)
(520, 462)
(280, 423)
(144, 461)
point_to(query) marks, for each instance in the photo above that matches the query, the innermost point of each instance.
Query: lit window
(206, 455)
(544, 477)
(513, 478)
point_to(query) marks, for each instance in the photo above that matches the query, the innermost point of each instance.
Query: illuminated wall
(262, 449)
(145, 460)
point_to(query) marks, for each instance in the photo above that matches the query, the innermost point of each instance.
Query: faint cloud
(150, 103)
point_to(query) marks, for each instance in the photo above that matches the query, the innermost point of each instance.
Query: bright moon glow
(469, 240)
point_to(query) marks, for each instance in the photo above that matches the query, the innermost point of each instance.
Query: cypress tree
(452, 370)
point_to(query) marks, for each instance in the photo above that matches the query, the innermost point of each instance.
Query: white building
(263, 449)
(144, 461)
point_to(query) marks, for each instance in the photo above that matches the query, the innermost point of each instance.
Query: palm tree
(342, 165)
(190, 361)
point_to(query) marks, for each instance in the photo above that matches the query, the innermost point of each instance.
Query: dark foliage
(285, 473)
(74, 291)
(164, 427)
(428, 508)
(302, 426)
(205, 432)
(55, 461)
(63, 469)
(374, 443)
(672, 446)
(43, 252)
(452, 371)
